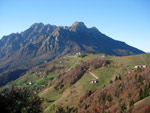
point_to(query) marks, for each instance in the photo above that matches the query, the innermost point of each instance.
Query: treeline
(20, 100)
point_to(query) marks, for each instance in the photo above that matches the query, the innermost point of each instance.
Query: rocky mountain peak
(37, 25)
(78, 26)
(76, 23)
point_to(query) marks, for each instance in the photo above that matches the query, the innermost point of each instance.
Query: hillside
(41, 43)
(121, 95)
(65, 83)
(112, 76)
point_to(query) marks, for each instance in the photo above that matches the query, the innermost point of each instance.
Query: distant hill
(42, 43)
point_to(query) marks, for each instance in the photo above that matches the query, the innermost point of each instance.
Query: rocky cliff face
(45, 42)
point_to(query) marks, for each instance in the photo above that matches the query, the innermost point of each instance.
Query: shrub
(85, 107)
(123, 107)
(140, 79)
(141, 94)
(146, 91)
(109, 98)
(103, 96)
(103, 111)
(119, 77)
(135, 76)
(119, 85)
(131, 103)
(129, 95)
(111, 82)
(116, 78)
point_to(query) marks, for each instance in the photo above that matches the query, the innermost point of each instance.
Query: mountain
(63, 66)
(42, 43)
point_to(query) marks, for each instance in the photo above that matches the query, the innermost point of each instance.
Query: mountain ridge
(45, 42)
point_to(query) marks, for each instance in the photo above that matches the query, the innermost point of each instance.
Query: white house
(31, 82)
(94, 81)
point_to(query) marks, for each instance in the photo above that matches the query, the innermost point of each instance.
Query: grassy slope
(143, 59)
(71, 96)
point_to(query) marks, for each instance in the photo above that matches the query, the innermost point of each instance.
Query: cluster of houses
(140, 66)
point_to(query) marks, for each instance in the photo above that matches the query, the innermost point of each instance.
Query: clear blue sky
(125, 20)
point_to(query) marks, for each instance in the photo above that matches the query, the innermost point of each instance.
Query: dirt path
(93, 75)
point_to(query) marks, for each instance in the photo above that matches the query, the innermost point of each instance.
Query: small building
(45, 61)
(144, 66)
(31, 83)
(78, 54)
(94, 81)
(104, 56)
